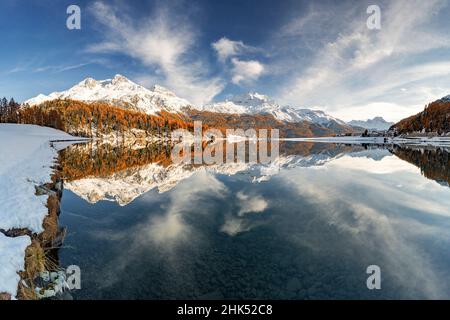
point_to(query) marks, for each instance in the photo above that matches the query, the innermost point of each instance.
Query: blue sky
(313, 54)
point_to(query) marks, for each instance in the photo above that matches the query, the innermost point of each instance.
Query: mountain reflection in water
(306, 225)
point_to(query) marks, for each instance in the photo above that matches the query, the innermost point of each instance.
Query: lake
(306, 226)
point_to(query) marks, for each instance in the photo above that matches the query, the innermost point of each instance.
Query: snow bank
(26, 158)
(12, 259)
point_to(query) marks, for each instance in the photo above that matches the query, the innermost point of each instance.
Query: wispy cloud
(15, 70)
(162, 41)
(62, 68)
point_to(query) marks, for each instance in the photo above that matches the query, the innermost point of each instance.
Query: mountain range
(255, 103)
(126, 94)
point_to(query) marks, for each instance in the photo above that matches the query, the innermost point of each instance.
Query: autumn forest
(92, 119)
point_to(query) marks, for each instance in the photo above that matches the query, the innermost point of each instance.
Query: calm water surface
(305, 227)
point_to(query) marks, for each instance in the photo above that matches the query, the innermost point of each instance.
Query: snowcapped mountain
(255, 103)
(122, 92)
(377, 123)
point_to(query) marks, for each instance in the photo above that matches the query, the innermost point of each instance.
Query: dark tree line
(8, 110)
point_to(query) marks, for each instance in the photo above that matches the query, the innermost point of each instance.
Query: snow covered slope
(25, 161)
(122, 92)
(255, 103)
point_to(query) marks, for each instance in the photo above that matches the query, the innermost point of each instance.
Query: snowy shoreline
(28, 154)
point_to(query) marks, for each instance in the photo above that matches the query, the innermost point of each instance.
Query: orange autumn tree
(96, 119)
(434, 118)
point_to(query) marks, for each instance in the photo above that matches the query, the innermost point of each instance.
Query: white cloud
(246, 71)
(233, 226)
(164, 42)
(171, 227)
(243, 71)
(250, 204)
(227, 48)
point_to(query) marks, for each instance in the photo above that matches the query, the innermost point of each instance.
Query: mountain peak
(88, 82)
(121, 92)
(118, 78)
(91, 83)
(446, 98)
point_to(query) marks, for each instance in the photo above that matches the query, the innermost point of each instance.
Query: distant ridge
(377, 123)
